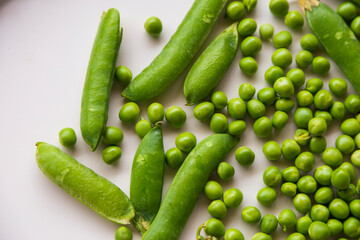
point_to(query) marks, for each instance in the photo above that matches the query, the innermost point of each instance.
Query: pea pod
(187, 185)
(177, 53)
(211, 66)
(99, 77)
(147, 178)
(84, 184)
(336, 37)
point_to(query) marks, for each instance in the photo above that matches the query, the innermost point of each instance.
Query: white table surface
(44, 51)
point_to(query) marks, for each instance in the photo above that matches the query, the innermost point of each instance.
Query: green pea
(352, 103)
(350, 127)
(111, 154)
(237, 127)
(112, 136)
(302, 137)
(266, 196)
(347, 11)
(284, 104)
(67, 137)
(355, 26)
(304, 98)
(296, 76)
(236, 108)
(123, 75)
(338, 87)
(302, 203)
(313, 85)
(155, 112)
(251, 214)
(153, 26)
(294, 20)
(175, 116)
(319, 231)
(282, 58)
(233, 234)
(324, 115)
(323, 100)
(290, 174)
(250, 4)
(305, 161)
(282, 39)
(355, 208)
(214, 227)
(304, 58)
(350, 170)
(339, 209)
(317, 144)
(213, 190)
(279, 7)
(261, 236)
(219, 99)
(267, 96)
(319, 212)
(250, 46)
(268, 224)
(204, 111)
(235, 10)
(302, 117)
(123, 233)
(272, 176)
(232, 197)
(355, 158)
(246, 91)
(247, 27)
(296, 236)
(303, 224)
(317, 126)
(340, 179)
(284, 87)
(248, 66)
(219, 123)
(332, 157)
(272, 150)
(352, 227)
(335, 226)
(142, 127)
(129, 113)
(266, 31)
(217, 209)
(322, 175)
(289, 189)
(337, 110)
(280, 120)
(225, 171)
(290, 149)
(174, 157)
(185, 141)
(320, 65)
(345, 144)
(348, 194)
(245, 156)
(309, 42)
(287, 219)
(255, 108)
(272, 74)
(263, 127)
(307, 184)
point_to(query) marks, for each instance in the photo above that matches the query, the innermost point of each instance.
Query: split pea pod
(211, 66)
(99, 78)
(147, 177)
(177, 53)
(85, 185)
(187, 185)
(336, 37)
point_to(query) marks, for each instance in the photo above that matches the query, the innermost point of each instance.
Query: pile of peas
(327, 196)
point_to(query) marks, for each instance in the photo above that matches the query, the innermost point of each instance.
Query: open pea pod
(93, 190)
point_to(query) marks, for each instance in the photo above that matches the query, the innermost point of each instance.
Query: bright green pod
(187, 185)
(84, 184)
(99, 78)
(147, 177)
(211, 66)
(178, 52)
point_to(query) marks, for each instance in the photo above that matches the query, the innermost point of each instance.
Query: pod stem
(307, 4)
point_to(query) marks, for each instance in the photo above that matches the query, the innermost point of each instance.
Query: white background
(44, 50)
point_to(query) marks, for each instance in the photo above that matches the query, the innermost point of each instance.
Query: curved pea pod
(187, 185)
(85, 185)
(178, 52)
(336, 37)
(147, 176)
(99, 78)
(211, 66)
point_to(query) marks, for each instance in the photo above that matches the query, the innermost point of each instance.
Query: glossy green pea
(185, 141)
(313, 85)
(332, 157)
(296, 76)
(266, 31)
(250, 4)
(347, 11)
(302, 117)
(219, 99)
(357, 140)
(345, 144)
(317, 144)
(287, 219)
(296, 236)
(236, 108)
(266, 196)
(247, 27)
(217, 209)
(294, 20)
(213, 190)
(251, 214)
(284, 87)
(302, 137)
(174, 157)
(290, 149)
(340, 179)
(324, 115)
(123, 233)
(304, 98)
(304, 58)
(323, 99)
(322, 175)
(245, 156)
(309, 42)
(263, 127)
(279, 120)
(282, 57)
(350, 127)
(155, 112)
(290, 174)
(338, 87)
(153, 26)
(219, 123)
(279, 8)
(142, 127)
(348, 194)
(204, 111)
(267, 96)
(302, 203)
(67, 137)
(272, 74)
(246, 91)
(282, 39)
(233, 234)
(250, 46)
(350, 170)
(352, 103)
(335, 226)
(129, 113)
(99, 77)
(319, 231)
(123, 75)
(235, 10)
(272, 150)
(232, 197)
(268, 224)
(307, 184)
(261, 236)
(175, 116)
(352, 227)
(284, 104)
(305, 161)
(339, 209)
(319, 212)
(272, 176)
(214, 227)
(237, 127)
(289, 189)
(317, 126)
(225, 171)
(355, 208)
(255, 108)
(355, 158)
(337, 110)
(303, 224)
(320, 65)
(355, 26)
(111, 154)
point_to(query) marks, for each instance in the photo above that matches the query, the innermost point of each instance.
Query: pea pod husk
(85, 185)
(187, 185)
(178, 52)
(336, 37)
(99, 78)
(147, 177)
(211, 66)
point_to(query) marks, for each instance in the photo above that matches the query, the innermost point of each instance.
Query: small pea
(350, 170)
(236, 108)
(340, 179)
(123, 75)
(317, 126)
(351, 227)
(142, 127)
(272, 74)
(338, 87)
(322, 175)
(217, 209)
(284, 104)
(290, 149)
(251, 214)
(284, 87)
(174, 157)
(302, 117)
(112, 136)
(350, 127)
(175, 116)
(320, 65)
(129, 113)
(347, 11)
(225, 171)
(355, 158)
(266, 31)
(305, 161)
(324, 115)
(246, 91)
(307, 184)
(267, 96)
(232, 197)
(268, 224)
(279, 8)
(250, 4)
(213, 190)
(304, 98)
(303, 224)
(313, 85)
(237, 127)
(302, 137)
(319, 231)
(323, 99)
(155, 112)
(309, 42)
(185, 141)
(339, 209)
(332, 157)
(317, 144)
(296, 236)
(296, 76)
(304, 58)
(337, 110)
(352, 103)
(355, 26)
(289, 189)
(67, 137)
(250, 46)
(248, 66)
(247, 27)
(355, 208)
(153, 26)
(219, 123)
(290, 174)
(219, 99)
(214, 227)
(348, 194)
(335, 226)
(123, 233)
(111, 154)
(245, 156)
(319, 212)
(280, 119)
(272, 176)
(282, 58)
(345, 144)
(287, 219)
(263, 127)
(255, 108)
(272, 150)
(233, 234)
(266, 196)
(235, 10)
(282, 39)
(204, 111)
(294, 20)
(302, 203)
